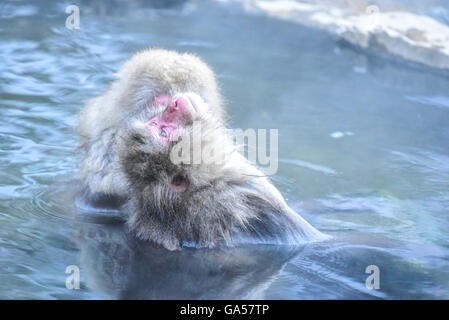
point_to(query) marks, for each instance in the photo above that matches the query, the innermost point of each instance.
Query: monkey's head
(148, 148)
(148, 74)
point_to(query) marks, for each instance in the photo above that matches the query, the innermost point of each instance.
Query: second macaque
(180, 203)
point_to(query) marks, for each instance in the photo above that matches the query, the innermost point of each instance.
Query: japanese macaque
(147, 74)
(221, 200)
(140, 138)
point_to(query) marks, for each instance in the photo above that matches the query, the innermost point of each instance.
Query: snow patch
(411, 36)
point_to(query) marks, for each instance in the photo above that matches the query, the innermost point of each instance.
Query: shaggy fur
(147, 74)
(225, 202)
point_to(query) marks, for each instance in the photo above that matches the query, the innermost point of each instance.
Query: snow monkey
(147, 74)
(133, 135)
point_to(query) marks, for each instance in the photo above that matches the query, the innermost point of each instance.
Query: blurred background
(359, 91)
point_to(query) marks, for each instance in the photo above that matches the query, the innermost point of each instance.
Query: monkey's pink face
(180, 110)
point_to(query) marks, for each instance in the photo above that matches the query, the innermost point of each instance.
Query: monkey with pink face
(130, 134)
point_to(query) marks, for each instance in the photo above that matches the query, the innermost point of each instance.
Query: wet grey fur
(146, 75)
(227, 203)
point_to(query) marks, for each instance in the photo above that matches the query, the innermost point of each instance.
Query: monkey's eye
(153, 123)
(164, 133)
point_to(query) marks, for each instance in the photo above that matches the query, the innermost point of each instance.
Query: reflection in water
(116, 265)
(120, 267)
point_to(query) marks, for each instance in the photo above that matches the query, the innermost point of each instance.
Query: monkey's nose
(179, 110)
(196, 102)
(184, 101)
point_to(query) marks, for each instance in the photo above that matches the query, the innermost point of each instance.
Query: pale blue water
(363, 146)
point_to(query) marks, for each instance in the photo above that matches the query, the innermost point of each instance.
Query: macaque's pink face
(179, 111)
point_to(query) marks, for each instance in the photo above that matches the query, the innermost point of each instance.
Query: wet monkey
(130, 134)
(148, 74)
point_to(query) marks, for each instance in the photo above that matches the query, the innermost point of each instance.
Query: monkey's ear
(179, 183)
